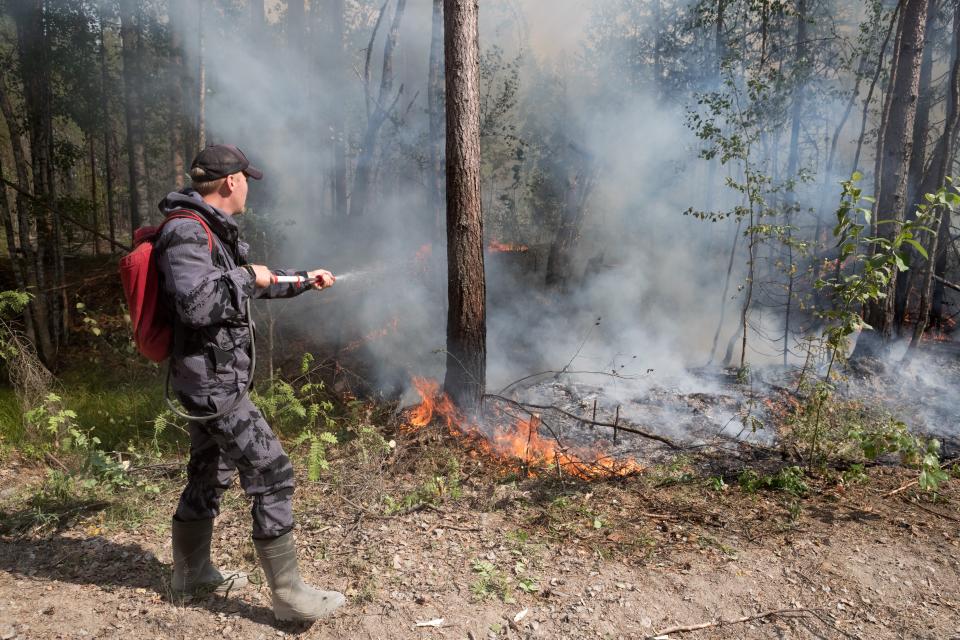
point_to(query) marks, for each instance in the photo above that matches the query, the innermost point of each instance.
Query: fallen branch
(716, 623)
(898, 490)
(619, 427)
(947, 283)
(931, 511)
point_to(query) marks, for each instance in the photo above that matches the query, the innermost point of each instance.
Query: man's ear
(229, 185)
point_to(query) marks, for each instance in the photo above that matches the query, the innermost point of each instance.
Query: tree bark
(436, 113)
(466, 317)
(941, 158)
(335, 33)
(201, 77)
(178, 89)
(130, 14)
(94, 197)
(906, 279)
(33, 50)
(793, 159)
(108, 165)
(896, 150)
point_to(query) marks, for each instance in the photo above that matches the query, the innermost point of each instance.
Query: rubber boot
(292, 599)
(193, 573)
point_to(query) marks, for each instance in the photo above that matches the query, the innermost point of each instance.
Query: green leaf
(916, 245)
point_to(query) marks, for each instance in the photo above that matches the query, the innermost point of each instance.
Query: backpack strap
(190, 215)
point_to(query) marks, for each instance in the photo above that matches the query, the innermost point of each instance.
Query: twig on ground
(683, 628)
(55, 461)
(929, 510)
(898, 490)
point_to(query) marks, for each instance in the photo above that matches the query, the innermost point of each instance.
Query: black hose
(233, 405)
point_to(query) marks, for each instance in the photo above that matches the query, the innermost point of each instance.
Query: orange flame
(517, 441)
(502, 247)
(390, 327)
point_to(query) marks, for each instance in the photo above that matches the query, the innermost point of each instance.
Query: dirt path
(614, 560)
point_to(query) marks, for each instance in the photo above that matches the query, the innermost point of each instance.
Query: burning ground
(485, 550)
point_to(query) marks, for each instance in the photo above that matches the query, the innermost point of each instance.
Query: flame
(423, 253)
(501, 247)
(515, 439)
(389, 328)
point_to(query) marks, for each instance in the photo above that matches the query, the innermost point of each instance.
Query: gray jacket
(206, 293)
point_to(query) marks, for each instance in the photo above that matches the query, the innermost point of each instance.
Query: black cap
(219, 161)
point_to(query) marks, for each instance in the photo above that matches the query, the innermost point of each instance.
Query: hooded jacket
(206, 292)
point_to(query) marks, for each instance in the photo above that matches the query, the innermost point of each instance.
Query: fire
(387, 329)
(514, 439)
(502, 247)
(423, 253)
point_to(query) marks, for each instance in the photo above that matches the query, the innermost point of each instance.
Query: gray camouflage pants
(243, 442)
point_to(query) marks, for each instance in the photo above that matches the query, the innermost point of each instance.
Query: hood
(220, 223)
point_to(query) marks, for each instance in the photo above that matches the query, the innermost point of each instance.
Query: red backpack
(152, 328)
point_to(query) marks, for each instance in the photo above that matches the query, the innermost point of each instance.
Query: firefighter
(207, 289)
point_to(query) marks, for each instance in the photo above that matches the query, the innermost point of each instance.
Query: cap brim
(253, 172)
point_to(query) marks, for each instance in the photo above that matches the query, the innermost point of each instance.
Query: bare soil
(615, 559)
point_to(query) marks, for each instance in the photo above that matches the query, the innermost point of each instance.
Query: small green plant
(788, 479)
(437, 489)
(304, 406)
(317, 453)
(716, 483)
(51, 418)
(490, 582)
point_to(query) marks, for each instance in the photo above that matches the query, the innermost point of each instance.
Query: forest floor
(481, 552)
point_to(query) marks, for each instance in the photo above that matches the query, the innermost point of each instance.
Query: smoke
(646, 281)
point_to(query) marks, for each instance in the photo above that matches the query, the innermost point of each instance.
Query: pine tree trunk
(896, 151)
(94, 197)
(436, 113)
(105, 115)
(793, 160)
(466, 317)
(941, 158)
(335, 21)
(906, 280)
(130, 12)
(47, 272)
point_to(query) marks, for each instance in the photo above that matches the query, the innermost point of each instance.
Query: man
(207, 285)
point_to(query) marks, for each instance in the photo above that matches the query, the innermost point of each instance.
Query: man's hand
(321, 278)
(262, 275)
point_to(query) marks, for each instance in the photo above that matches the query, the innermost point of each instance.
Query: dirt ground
(507, 557)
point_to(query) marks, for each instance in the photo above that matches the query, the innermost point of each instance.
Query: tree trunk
(873, 85)
(466, 316)
(201, 77)
(896, 150)
(130, 14)
(47, 271)
(335, 32)
(94, 197)
(436, 113)
(793, 160)
(560, 257)
(178, 124)
(378, 110)
(942, 156)
(108, 165)
(906, 279)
